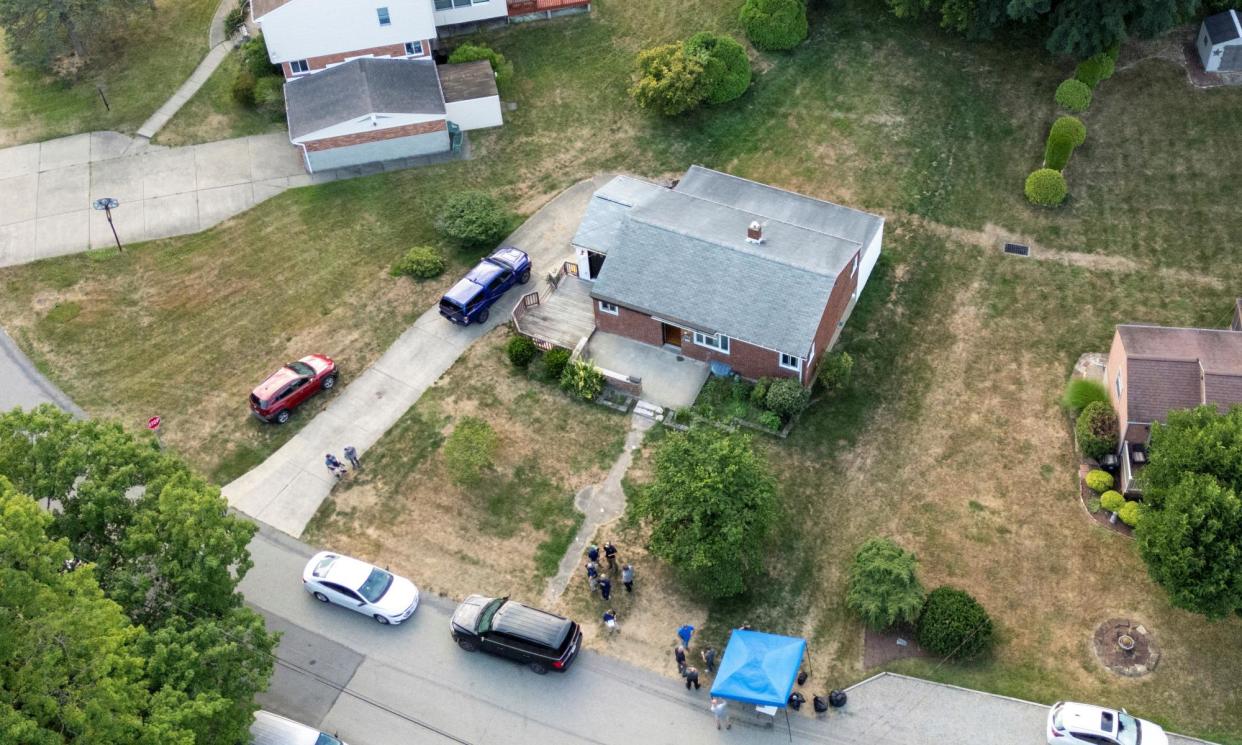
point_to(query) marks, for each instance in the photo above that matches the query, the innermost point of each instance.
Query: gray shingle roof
(359, 88)
(1163, 367)
(607, 208)
(1222, 27)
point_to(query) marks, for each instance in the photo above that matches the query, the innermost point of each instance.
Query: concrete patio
(669, 379)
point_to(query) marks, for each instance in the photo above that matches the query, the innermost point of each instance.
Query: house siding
(834, 311)
(630, 324)
(377, 150)
(312, 29)
(1117, 366)
(388, 50)
(377, 135)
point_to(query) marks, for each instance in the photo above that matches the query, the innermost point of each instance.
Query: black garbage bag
(796, 700)
(820, 703)
(802, 676)
(836, 699)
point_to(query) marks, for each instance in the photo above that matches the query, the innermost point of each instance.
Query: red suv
(274, 399)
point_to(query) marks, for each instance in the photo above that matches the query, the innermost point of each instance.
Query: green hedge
(420, 262)
(1057, 150)
(1072, 127)
(1112, 501)
(521, 351)
(1097, 430)
(774, 25)
(1131, 513)
(1073, 95)
(1046, 187)
(787, 397)
(726, 68)
(1094, 69)
(1099, 481)
(954, 624)
(473, 220)
(554, 362)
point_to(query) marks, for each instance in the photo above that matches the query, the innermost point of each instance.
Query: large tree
(1191, 531)
(37, 32)
(883, 586)
(710, 506)
(163, 547)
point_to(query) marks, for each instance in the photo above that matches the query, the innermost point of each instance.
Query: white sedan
(1083, 724)
(360, 586)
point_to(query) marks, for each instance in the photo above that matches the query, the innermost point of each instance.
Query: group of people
(602, 583)
(689, 673)
(337, 468)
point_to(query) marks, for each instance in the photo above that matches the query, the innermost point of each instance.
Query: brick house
(722, 269)
(1153, 370)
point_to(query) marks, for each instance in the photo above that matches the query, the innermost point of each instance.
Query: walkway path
(21, 384)
(286, 489)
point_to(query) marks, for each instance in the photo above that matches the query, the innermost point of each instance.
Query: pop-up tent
(759, 668)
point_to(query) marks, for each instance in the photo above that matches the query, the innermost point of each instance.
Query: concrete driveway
(286, 489)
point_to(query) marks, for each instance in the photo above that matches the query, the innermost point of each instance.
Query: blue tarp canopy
(759, 668)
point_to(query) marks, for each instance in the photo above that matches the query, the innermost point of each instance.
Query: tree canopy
(1190, 534)
(166, 651)
(711, 505)
(883, 588)
(39, 32)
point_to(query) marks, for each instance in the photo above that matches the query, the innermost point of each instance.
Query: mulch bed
(1137, 662)
(1101, 517)
(881, 647)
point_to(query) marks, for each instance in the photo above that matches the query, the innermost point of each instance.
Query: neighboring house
(378, 110)
(1153, 370)
(1220, 42)
(726, 270)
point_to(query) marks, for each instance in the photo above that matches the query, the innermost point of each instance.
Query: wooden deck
(561, 318)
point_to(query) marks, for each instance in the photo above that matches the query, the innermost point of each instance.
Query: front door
(672, 334)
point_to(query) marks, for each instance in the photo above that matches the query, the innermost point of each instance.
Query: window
(1117, 385)
(789, 362)
(414, 47)
(384, 19)
(606, 307)
(444, 4)
(298, 66)
(461, 3)
(718, 342)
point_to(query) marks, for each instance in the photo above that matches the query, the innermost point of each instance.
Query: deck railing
(531, 299)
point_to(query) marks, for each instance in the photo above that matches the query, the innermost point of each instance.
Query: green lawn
(160, 52)
(212, 114)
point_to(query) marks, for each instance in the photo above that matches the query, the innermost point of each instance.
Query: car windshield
(1128, 730)
(326, 739)
(485, 615)
(376, 585)
(301, 368)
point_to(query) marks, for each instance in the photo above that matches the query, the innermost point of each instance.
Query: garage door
(1231, 59)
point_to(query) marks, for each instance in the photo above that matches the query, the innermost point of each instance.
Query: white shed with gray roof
(1220, 42)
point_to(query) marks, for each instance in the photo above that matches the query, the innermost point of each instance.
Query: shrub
(774, 24)
(1097, 430)
(1057, 150)
(554, 362)
(233, 22)
(836, 370)
(1073, 95)
(520, 351)
(670, 81)
(1094, 69)
(1099, 481)
(883, 588)
(583, 379)
(771, 420)
(1079, 392)
(469, 449)
(787, 397)
(420, 262)
(725, 65)
(953, 623)
(1130, 513)
(256, 59)
(473, 220)
(269, 96)
(1072, 127)
(1112, 501)
(1046, 187)
(759, 394)
(501, 67)
(243, 88)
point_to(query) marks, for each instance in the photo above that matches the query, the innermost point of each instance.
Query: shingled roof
(361, 87)
(1179, 368)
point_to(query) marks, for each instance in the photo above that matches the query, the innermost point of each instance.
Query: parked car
(360, 586)
(1082, 724)
(469, 300)
(540, 640)
(273, 729)
(275, 398)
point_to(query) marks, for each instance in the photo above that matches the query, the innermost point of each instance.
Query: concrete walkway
(286, 489)
(21, 384)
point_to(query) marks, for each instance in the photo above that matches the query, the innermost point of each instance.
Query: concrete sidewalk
(21, 384)
(215, 56)
(286, 490)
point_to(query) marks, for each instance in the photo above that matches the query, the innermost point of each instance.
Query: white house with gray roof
(726, 270)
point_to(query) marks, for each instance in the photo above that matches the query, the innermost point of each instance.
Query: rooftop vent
(754, 232)
(1017, 249)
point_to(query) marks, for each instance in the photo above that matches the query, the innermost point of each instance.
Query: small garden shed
(1220, 42)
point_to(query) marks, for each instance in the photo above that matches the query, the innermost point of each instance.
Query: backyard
(949, 441)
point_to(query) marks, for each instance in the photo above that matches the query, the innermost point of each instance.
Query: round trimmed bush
(520, 351)
(774, 25)
(1057, 150)
(1112, 501)
(1130, 513)
(1071, 127)
(420, 262)
(1094, 69)
(1073, 95)
(1099, 481)
(1096, 430)
(787, 397)
(725, 65)
(473, 220)
(1046, 187)
(953, 623)
(554, 363)
(671, 80)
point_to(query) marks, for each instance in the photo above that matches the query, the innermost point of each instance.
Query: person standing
(720, 710)
(610, 553)
(593, 553)
(679, 654)
(351, 455)
(627, 577)
(709, 659)
(334, 466)
(605, 587)
(592, 576)
(610, 621)
(692, 678)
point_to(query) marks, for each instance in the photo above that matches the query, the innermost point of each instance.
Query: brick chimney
(754, 232)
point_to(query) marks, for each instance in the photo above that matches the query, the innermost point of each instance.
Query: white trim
(293, 67)
(604, 306)
(704, 340)
(796, 367)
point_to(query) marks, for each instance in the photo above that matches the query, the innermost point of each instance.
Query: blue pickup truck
(468, 300)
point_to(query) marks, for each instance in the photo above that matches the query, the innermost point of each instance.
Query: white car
(273, 729)
(359, 586)
(1082, 724)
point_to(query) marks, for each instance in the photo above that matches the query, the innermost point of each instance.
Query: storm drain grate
(1017, 249)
